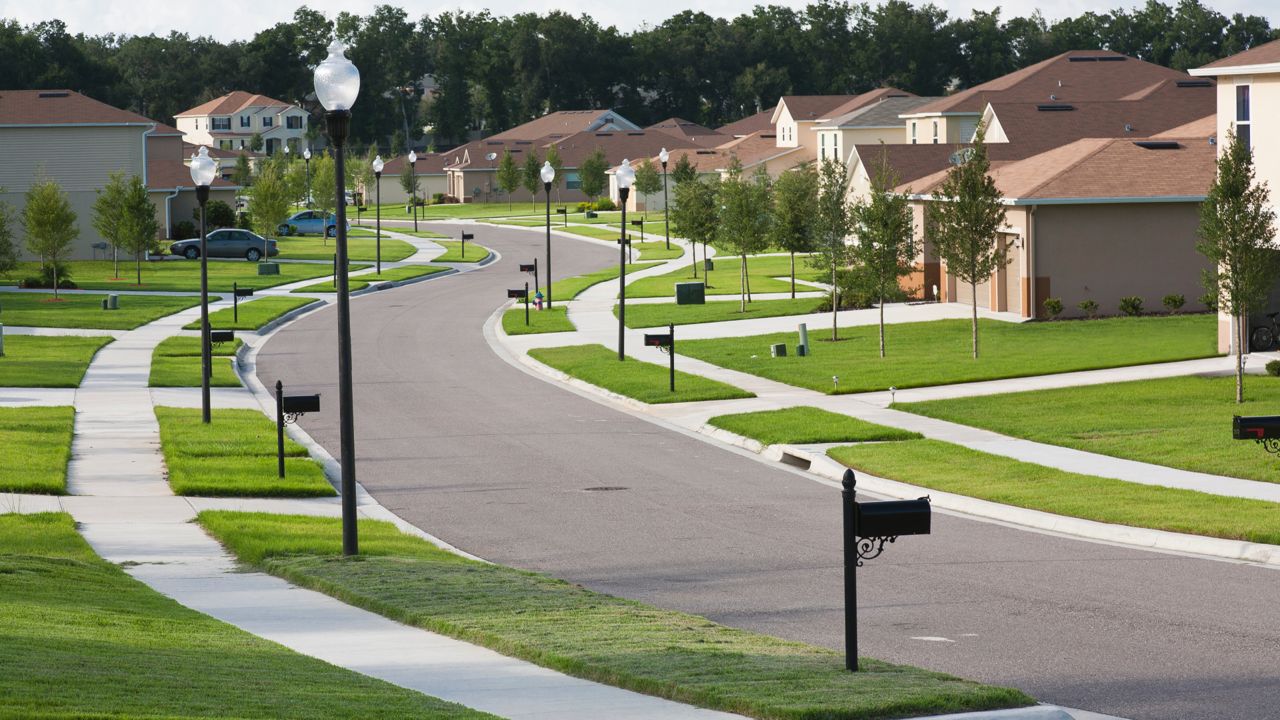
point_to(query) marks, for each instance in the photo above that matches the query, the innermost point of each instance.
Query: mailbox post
(565, 213)
(639, 224)
(238, 292)
(518, 294)
(665, 342)
(465, 237)
(867, 527)
(532, 268)
(288, 409)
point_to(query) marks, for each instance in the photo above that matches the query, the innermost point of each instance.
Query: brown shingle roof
(1075, 76)
(1205, 127)
(62, 107)
(618, 146)
(232, 102)
(806, 108)
(562, 124)
(428, 164)
(170, 174)
(691, 131)
(750, 150)
(1259, 55)
(191, 148)
(761, 121)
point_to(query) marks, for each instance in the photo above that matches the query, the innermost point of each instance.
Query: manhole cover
(603, 488)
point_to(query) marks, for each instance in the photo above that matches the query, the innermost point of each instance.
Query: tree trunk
(115, 262)
(706, 273)
(973, 287)
(1239, 343)
(742, 281)
(693, 248)
(835, 305)
(793, 276)
(54, 265)
(138, 263)
(881, 326)
(746, 277)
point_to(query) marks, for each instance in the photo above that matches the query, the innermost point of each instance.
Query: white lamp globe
(306, 154)
(413, 157)
(286, 150)
(547, 172)
(378, 164)
(337, 80)
(203, 168)
(626, 175)
(664, 156)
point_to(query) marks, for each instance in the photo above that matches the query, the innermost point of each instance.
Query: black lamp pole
(414, 173)
(339, 124)
(206, 350)
(623, 193)
(307, 159)
(377, 242)
(666, 207)
(546, 186)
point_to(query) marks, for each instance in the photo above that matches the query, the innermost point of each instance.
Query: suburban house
(230, 122)
(226, 159)
(78, 142)
(431, 179)
(1248, 98)
(760, 122)
(879, 122)
(564, 123)
(691, 131)
(796, 118)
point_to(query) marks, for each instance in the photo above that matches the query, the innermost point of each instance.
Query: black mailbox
(893, 518)
(637, 223)
(657, 339)
(244, 292)
(468, 236)
(528, 267)
(624, 240)
(221, 336)
(562, 211)
(1256, 427)
(301, 403)
(518, 293)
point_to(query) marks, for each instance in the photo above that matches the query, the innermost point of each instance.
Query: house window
(246, 121)
(293, 122)
(220, 123)
(267, 121)
(572, 181)
(1244, 126)
(935, 132)
(913, 132)
(822, 140)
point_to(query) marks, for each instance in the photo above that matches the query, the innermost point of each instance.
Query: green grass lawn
(523, 223)
(35, 361)
(656, 250)
(643, 315)
(315, 247)
(253, 314)
(81, 639)
(85, 311)
(1178, 422)
(454, 252)
(801, 425)
(574, 630)
(553, 320)
(940, 353)
(176, 363)
(360, 282)
(234, 455)
(456, 211)
(177, 275)
(599, 232)
(726, 279)
(38, 446)
(646, 382)
(952, 468)
(571, 287)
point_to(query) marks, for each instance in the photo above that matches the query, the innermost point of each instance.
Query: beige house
(229, 123)
(431, 180)
(880, 122)
(797, 118)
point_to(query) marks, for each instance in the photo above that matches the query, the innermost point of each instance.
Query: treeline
(491, 73)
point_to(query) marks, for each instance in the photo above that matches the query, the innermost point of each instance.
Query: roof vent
(1082, 58)
(524, 142)
(1194, 83)
(1059, 83)
(1053, 97)
(1157, 144)
(634, 134)
(1213, 141)
(1055, 108)
(54, 94)
(705, 152)
(1128, 127)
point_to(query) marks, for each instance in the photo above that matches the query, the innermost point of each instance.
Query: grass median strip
(360, 282)
(800, 425)
(361, 247)
(643, 315)
(175, 275)
(176, 363)
(454, 252)
(646, 382)
(725, 279)
(253, 314)
(82, 639)
(574, 630)
(952, 468)
(571, 287)
(75, 310)
(1180, 422)
(38, 442)
(52, 362)
(234, 455)
(551, 320)
(939, 352)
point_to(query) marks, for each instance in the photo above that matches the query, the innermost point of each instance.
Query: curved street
(509, 467)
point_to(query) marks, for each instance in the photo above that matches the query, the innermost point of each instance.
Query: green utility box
(268, 268)
(691, 293)
(778, 350)
(708, 264)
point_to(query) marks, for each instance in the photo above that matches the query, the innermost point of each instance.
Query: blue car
(310, 222)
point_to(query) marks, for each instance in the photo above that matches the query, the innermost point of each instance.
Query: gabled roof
(913, 162)
(879, 114)
(691, 131)
(617, 146)
(809, 108)
(475, 155)
(751, 150)
(232, 102)
(63, 107)
(566, 122)
(428, 164)
(1206, 127)
(759, 122)
(1264, 54)
(189, 149)
(164, 130)
(174, 174)
(1075, 76)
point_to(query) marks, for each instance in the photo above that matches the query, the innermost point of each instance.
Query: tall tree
(508, 175)
(885, 250)
(1237, 234)
(8, 248)
(795, 206)
(831, 229)
(242, 174)
(409, 181)
(108, 216)
(648, 180)
(592, 174)
(324, 185)
(364, 176)
(268, 200)
(531, 174)
(744, 220)
(696, 214)
(50, 226)
(138, 226)
(553, 157)
(684, 170)
(965, 219)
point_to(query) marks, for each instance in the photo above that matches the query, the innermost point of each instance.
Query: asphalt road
(501, 464)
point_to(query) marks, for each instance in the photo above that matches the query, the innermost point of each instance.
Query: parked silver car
(228, 243)
(310, 222)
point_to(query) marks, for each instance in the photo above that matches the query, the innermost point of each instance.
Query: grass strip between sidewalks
(763, 273)
(176, 363)
(574, 630)
(175, 275)
(952, 468)
(77, 310)
(37, 443)
(234, 455)
(571, 287)
(801, 425)
(44, 361)
(645, 315)
(82, 639)
(360, 282)
(253, 314)
(551, 320)
(361, 247)
(646, 382)
(453, 252)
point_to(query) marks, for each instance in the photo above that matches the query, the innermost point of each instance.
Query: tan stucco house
(230, 121)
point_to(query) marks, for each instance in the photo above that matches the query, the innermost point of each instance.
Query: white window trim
(1236, 122)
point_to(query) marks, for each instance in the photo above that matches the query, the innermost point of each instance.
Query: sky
(240, 19)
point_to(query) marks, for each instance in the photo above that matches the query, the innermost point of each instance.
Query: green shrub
(582, 207)
(1131, 305)
(1273, 368)
(437, 199)
(1053, 306)
(184, 230)
(1088, 307)
(45, 278)
(1174, 303)
(218, 215)
(1210, 300)
(605, 204)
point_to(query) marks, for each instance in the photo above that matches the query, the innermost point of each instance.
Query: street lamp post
(548, 173)
(377, 182)
(337, 84)
(663, 157)
(413, 165)
(625, 176)
(203, 169)
(306, 157)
